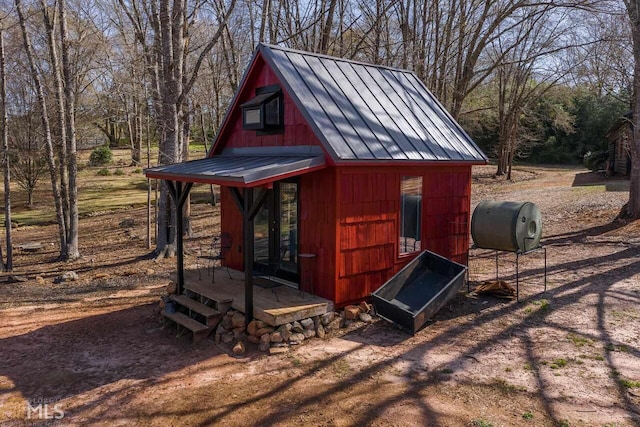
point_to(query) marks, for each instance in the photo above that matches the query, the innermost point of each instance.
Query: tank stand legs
(518, 269)
(517, 277)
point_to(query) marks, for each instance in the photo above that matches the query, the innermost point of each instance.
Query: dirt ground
(93, 351)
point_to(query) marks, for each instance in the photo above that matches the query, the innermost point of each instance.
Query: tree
(172, 67)
(633, 207)
(42, 101)
(521, 78)
(8, 266)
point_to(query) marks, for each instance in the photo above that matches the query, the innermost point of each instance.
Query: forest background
(532, 81)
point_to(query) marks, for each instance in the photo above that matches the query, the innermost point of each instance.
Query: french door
(276, 232)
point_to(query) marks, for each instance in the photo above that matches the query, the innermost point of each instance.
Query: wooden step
(199, 330)
(196, 306)
(211, 315)
(208, 292)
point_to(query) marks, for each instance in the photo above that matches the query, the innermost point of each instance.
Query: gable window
(264, 112)
(410, 214)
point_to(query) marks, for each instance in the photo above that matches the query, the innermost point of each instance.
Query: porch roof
(239, 170)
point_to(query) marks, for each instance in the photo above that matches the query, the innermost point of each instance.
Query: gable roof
(363, 112)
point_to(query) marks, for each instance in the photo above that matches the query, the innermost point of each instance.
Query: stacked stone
(232, 329)
(359, 312)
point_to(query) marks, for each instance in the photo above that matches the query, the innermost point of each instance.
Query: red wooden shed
(334, 174)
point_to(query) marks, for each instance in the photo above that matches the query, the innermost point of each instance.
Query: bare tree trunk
(148, 179)
(70, 120)
(47, 131)
(170, 49)
(633, 207)
(203, 129)
(186, 140)
(8, 266)
(323, 46)
(266, 13)
(61, 145)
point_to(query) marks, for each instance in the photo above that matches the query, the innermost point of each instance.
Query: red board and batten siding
(317, 232)
(296, 131)
(369, 199)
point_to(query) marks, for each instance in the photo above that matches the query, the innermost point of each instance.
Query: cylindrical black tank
(506, 226)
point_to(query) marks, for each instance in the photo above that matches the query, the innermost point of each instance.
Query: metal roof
(243, 170)
(367, 112)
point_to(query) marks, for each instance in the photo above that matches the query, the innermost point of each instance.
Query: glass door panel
(275, 235)
(288, 235)
(261, 234)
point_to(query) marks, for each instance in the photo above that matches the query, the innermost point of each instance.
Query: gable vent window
(264, 112)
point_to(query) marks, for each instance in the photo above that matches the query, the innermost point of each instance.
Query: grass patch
(543, 304)
(629, 383)
(341, 368)
(119, 172)
(481, 423)
(613, 347)
(506, 388)
(558, 363)
(579, 341)
(527, 415)
(103, 172)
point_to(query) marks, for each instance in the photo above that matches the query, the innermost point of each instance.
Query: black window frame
(264, 100)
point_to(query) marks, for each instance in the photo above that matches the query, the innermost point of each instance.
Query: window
(410, 214)
(264, 111)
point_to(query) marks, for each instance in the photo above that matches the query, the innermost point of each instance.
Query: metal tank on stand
(509, 227)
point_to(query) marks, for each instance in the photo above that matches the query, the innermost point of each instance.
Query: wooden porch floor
(275, 306)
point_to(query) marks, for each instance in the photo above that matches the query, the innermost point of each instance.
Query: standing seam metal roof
(242, 170)
(368, 112)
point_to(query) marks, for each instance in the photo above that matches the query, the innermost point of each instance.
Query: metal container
(419, 290)
(506, 226)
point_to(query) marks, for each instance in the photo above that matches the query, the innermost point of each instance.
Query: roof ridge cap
(268, 46)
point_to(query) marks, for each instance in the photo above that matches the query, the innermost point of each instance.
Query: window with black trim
(410, 214)
(265, 111)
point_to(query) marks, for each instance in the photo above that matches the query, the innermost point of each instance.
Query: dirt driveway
(92, 352)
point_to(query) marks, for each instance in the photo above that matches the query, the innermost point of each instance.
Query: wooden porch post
(249, 209)
(248, 254)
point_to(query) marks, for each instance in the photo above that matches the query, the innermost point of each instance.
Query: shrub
(137, 170)
(100, 156)
(119, 172)
(104, 172)
(595, 160)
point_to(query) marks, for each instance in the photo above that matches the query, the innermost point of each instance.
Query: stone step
(199, 330)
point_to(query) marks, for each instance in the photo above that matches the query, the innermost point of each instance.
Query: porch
(274, 305)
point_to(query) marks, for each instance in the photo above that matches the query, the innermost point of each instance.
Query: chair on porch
(217, 251)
